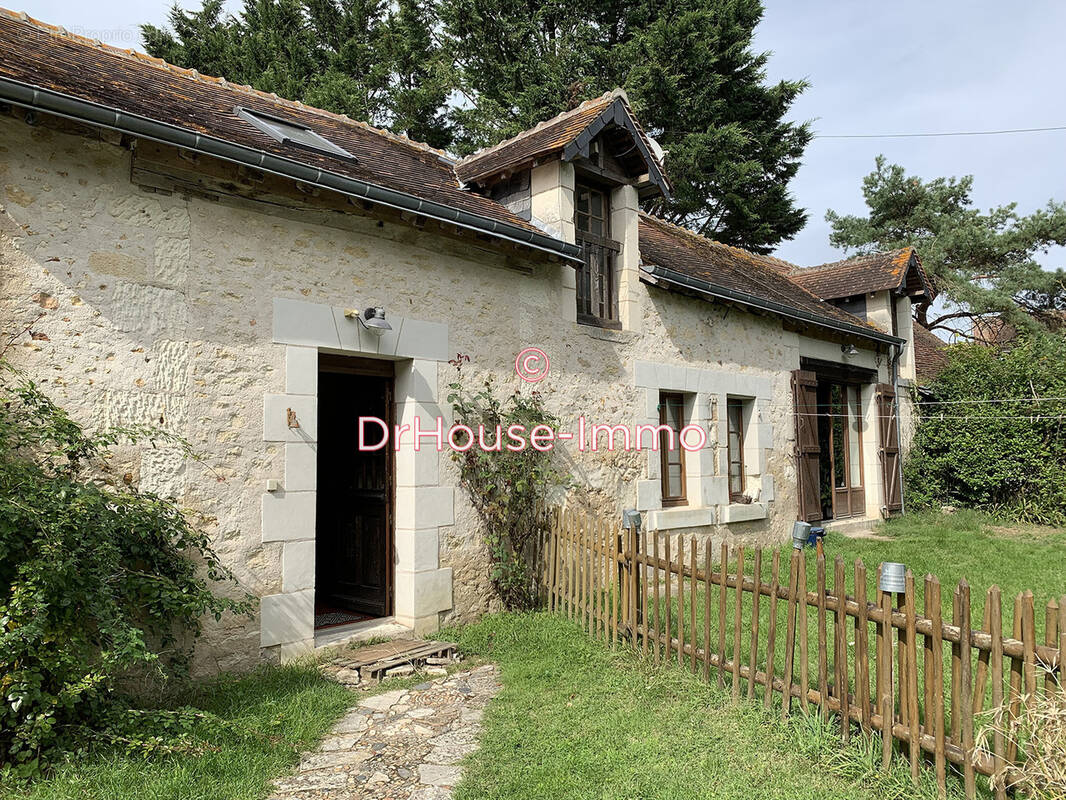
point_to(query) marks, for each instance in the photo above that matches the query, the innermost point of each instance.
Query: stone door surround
(422, 588)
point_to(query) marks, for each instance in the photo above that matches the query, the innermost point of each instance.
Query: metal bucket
(893, 577)
(800, 532)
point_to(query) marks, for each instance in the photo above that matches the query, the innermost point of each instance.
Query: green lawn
(274, 714)
(577, 720)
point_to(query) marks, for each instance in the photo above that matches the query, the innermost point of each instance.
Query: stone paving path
(399, 745)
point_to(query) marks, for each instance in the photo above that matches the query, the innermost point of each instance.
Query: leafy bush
(96, 580)
(988, 440)
(508, 488)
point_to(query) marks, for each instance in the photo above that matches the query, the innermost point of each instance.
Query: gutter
(86, 111)
(742, 298)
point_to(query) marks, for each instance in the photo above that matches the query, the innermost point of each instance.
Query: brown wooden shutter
(888, 425)
(805, 402)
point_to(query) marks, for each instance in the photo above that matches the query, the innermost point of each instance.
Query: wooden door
(808, 452)
(355, 491)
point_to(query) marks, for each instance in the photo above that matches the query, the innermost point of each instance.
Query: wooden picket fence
(653, 593)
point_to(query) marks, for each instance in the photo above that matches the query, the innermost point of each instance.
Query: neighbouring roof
(45, 67)
(681, 259)
(898, 270)
(568, 136)
(930, 356)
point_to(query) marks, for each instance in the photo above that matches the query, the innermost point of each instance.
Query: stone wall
(162, 308)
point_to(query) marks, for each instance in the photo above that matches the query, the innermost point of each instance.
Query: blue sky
(902, 67)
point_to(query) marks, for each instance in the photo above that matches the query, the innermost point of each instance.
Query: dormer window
(597, 286)
(294, 134)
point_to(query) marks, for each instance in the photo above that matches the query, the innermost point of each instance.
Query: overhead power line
(932, 134)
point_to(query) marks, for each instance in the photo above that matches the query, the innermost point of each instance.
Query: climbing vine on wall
(508, 487)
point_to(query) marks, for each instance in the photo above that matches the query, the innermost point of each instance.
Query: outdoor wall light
(372, 319)
(893, 577)
(849, 349)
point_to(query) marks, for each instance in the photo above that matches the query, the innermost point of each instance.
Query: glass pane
(673, 415)
(736, 478)
(840, 480)
(583, 200)
(854, 437)
(673, 480)
(596, 204)
(582, 222)
(594, 226)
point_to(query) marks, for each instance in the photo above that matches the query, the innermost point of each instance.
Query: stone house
(254, 275)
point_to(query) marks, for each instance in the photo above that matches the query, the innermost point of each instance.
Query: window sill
(596, 322)
(681, 517)
(743, 512)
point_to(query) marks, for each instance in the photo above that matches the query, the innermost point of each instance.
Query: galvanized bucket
(893, 577)
(800, 532)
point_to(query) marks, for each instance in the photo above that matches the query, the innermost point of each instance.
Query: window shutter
(888, 425)
(805, 403)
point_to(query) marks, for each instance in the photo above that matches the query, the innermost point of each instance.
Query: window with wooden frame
(597, 289)
(735, 408)
(672, 415)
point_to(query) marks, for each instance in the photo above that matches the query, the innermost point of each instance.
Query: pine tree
(982, 264)
(692, 78)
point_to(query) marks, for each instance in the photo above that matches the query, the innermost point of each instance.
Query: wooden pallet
(375, 660)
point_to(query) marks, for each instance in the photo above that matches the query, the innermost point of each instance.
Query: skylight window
(292, 133)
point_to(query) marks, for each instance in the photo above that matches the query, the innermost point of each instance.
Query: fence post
(1051, 639)
(912, 677)
(884, 668)
(934, 678)
(967, 689)
(634, 543)
(995, 628)
(840, 649)
(738, 605)
(771, 634)
(790, 632)
(723, 567)
(823, 651)
(862, 647)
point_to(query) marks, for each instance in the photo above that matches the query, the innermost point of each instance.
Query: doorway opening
(355, 500)
(842, 492)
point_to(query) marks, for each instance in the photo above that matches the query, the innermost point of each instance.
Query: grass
(273, 713)
(577, 720)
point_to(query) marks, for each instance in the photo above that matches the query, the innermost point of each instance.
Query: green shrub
(97, 581)
(987, 440)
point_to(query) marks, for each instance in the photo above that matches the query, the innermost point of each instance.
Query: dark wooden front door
(353, 565)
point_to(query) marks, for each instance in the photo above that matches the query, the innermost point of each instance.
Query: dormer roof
(569, 136)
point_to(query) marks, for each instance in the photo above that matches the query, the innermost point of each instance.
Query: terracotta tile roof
(547, 138)
(48, 57)
(869, 273)
(929, 353)
(672, 247)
